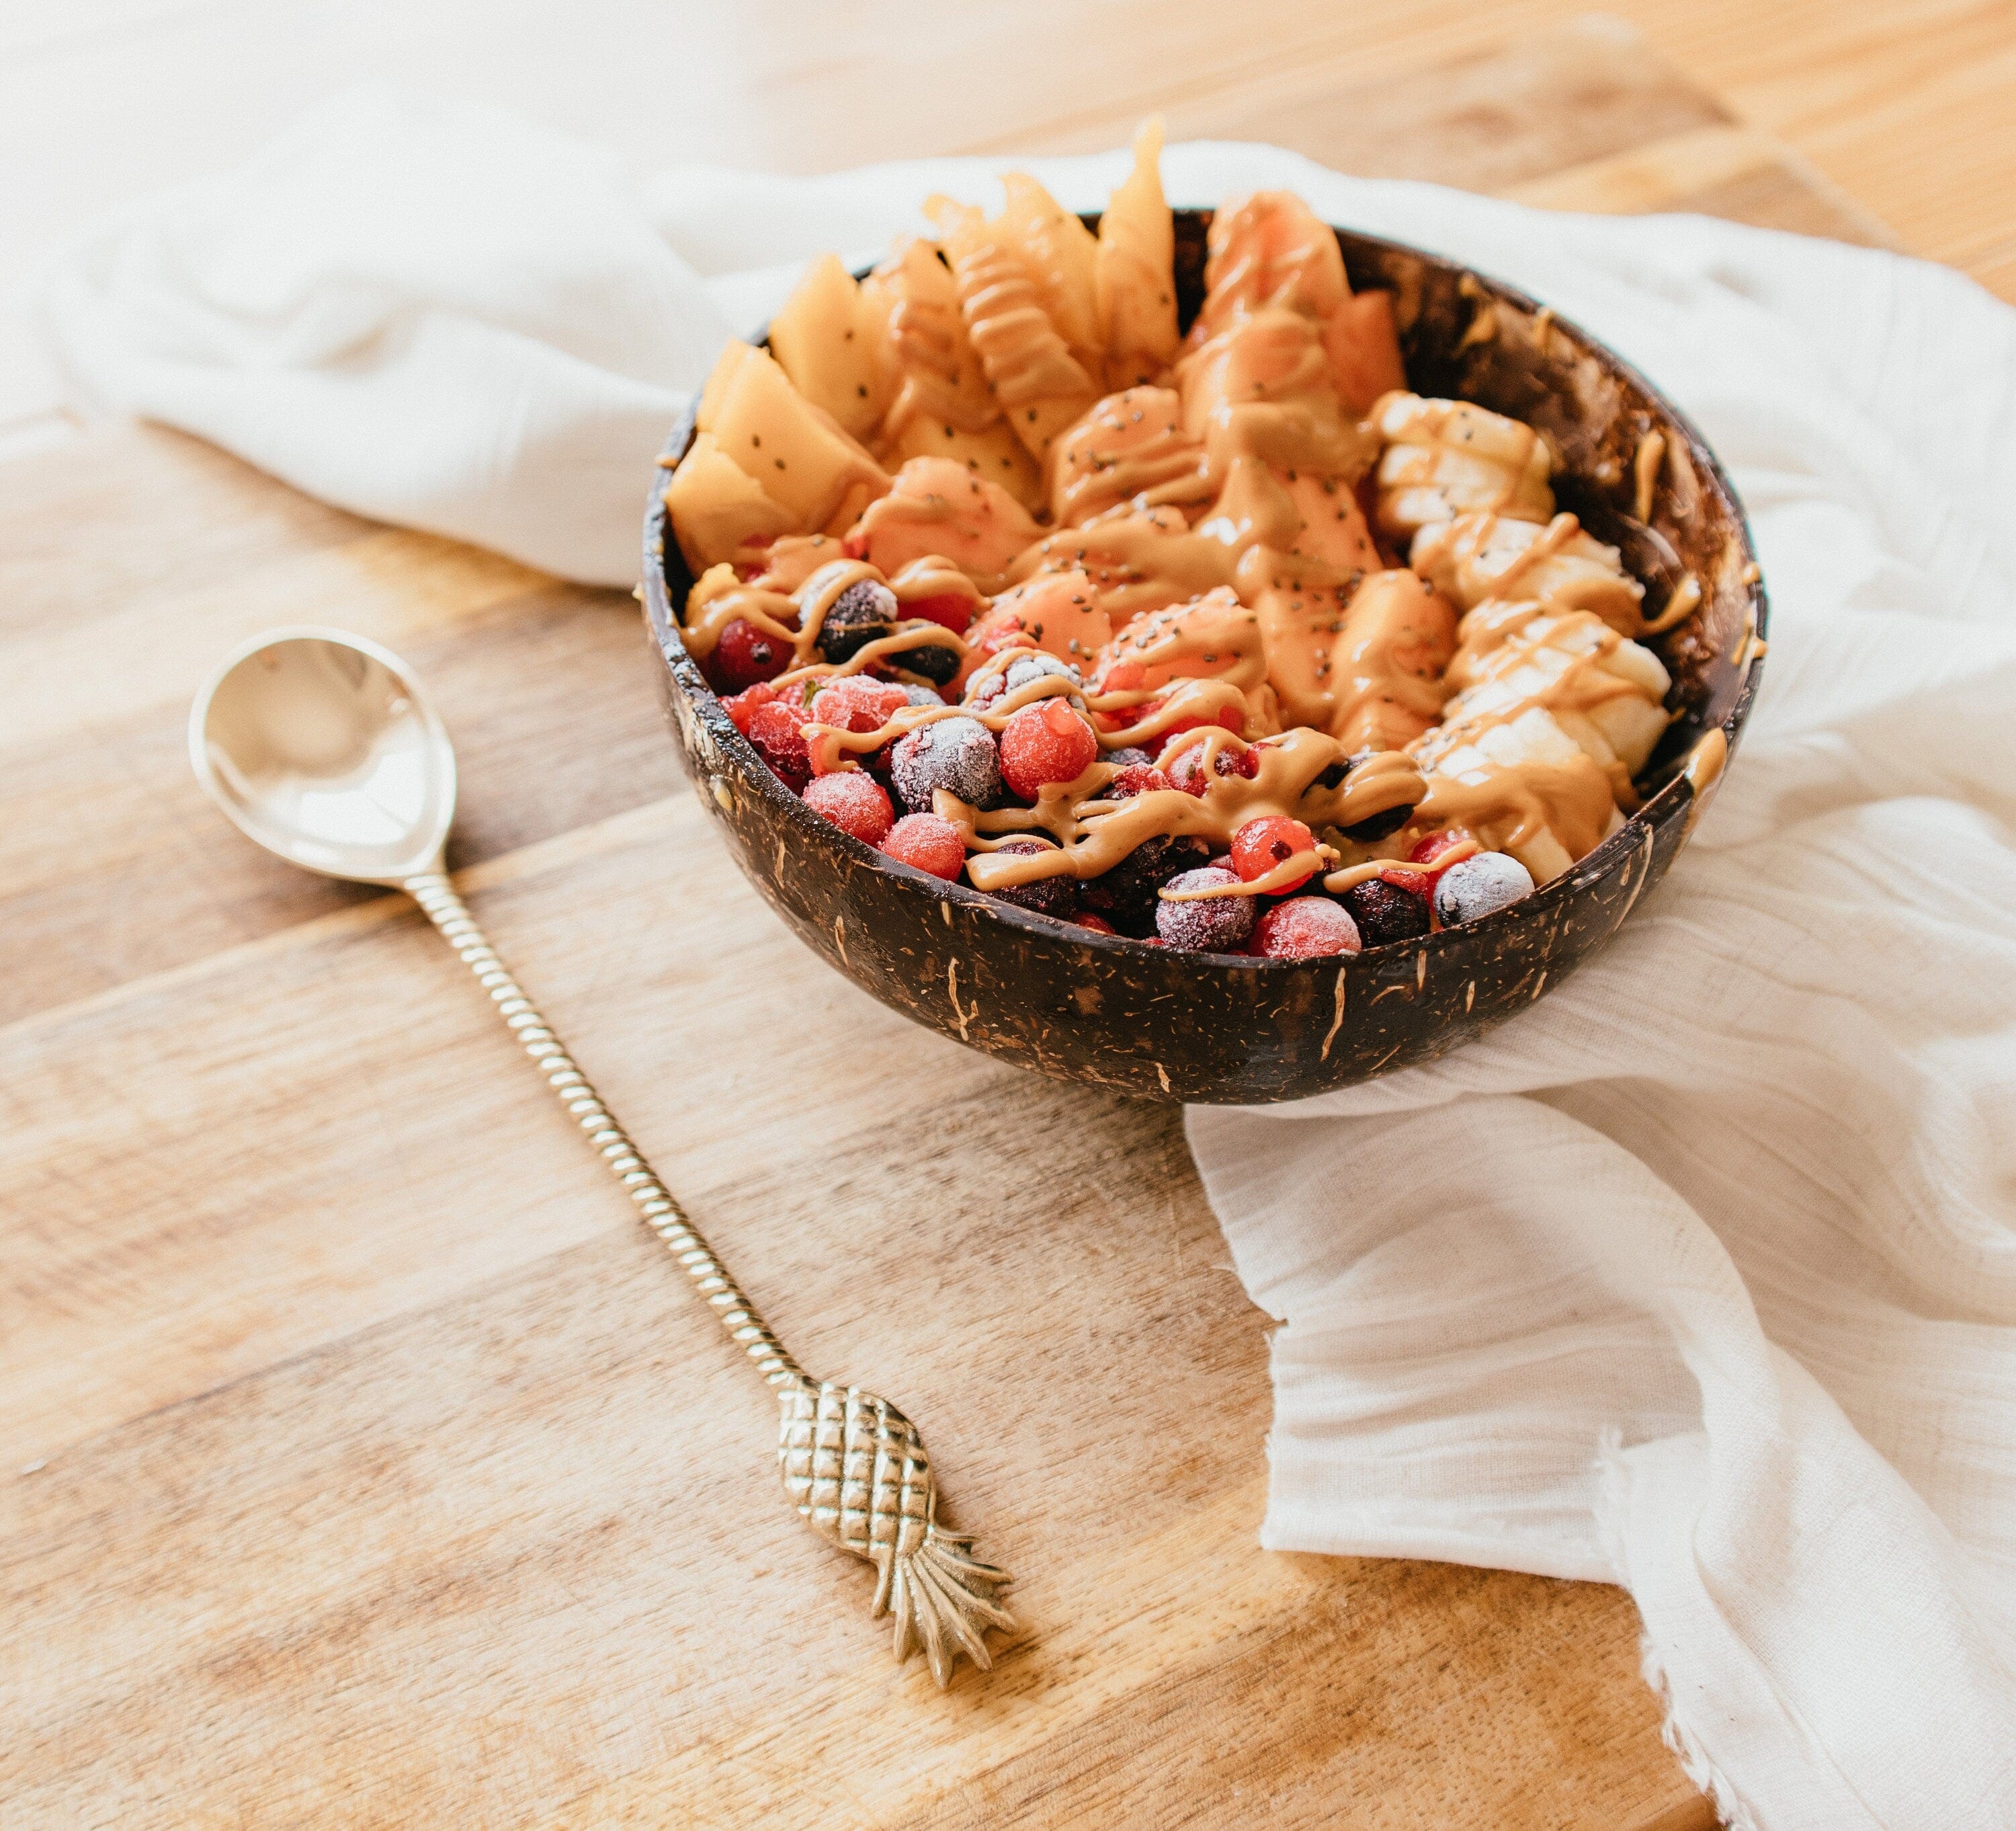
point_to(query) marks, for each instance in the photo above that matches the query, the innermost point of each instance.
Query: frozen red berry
(1050, 896)
(744, 654)
(1209, 925)
(853, 800)
(1135, 779)
(777, 731)
(854, 703)
(956, 754)
(1186, 772)
(1045, 742)
(741, 707)
(1427, 850)
(1414, 883)
(1098, 924)
(1264, 844)
(1386, 911)
(1304, 927)
(927, 843)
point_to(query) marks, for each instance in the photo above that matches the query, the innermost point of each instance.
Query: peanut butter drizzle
(1687, 597)
(1093, 836)
(1337, 882)
(1484, 555)
(1130, 453)
(1507, 807)
(1645, 472)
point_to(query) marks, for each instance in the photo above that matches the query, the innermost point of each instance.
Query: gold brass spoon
(322, 747)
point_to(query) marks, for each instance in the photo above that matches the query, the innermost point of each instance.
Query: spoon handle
(656, 1204)
(853, 1465)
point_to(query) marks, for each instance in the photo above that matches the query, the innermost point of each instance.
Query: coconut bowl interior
(1176, 1026)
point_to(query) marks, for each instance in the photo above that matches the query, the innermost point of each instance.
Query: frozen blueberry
(937, 664)
(1049, 896)
(1382, 825)
(864, 612)
(1481, 886)
(1214, 924)
(1128, 754)
(1034, 667)
(957, 754)
(920, 695)
(1384, 912)
(1125, 895)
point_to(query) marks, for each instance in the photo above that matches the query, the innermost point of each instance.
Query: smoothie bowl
(1213, 655)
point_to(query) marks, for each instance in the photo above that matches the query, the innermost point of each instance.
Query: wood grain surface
(365, 1463)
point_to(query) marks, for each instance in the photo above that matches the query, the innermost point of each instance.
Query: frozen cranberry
(1049, 896)
(744, 654)
(1386, 911)
(1098, 924)
(853, 703)
(777, 731)
(1264, 844)
(1186, 772)
(1045, 742)
(928, 843)
(853, 800)
(1304, 927)
(741, 708)
(1413, 883)
(1427, 850)
(1135, 779)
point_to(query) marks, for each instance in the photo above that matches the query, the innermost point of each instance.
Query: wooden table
(367, 1465)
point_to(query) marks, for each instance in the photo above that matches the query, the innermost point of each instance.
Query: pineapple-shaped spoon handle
(853, 1465)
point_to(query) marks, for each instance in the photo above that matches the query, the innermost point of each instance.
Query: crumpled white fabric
(1700, 1276)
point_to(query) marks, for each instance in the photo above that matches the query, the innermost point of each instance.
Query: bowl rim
(1638, 829)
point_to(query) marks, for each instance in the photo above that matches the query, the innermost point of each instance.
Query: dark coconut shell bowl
(1226, 1029)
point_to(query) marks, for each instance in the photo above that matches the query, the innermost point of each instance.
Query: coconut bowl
(1226, 1029)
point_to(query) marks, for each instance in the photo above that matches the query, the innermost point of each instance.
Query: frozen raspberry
(1134, 779)
(1216, 925)
(1098, 924)
(927, 843)
(776, 731)
(1049, 896)
(1303, 928)
(744, 655)
(1428, 850)
(1385, 911)
(1421, 884)
(742, 707)
(863, 612)
(1045, 742)
(853, 800)
(1128, 756)
(1261, 845)
(1126, 895)
(955, 754)
(1481, 886)
(1186, 772)
(854, 704)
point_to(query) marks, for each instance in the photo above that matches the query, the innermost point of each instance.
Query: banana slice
(1444, 459)
(1607, 694)
(1486, 555)
(1524, 786)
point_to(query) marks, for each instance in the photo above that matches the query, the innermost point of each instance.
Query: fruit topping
(853, 800)
(864, 613)
(928, 843)
(1481, 886)
(1049, 896)
(1043, 743)
(1209, 924)
(777, 731)
(1264, 845)
(956, 754)
(1385, 911)
(1303, 928)
(744, 655)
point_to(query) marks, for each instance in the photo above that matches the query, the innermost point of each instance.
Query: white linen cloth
(1700, 1276)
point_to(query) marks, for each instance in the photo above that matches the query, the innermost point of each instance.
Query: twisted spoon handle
(853, 1465)
(656, 1205)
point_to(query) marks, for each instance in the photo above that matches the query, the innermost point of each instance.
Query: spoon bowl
(322, 746)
